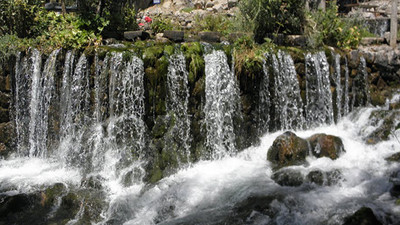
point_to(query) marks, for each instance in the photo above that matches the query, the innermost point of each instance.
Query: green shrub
(9, 45)
(18, 17)
(159, 25)
(266, 17)
(64, 32)
(216, 23)
(326, 28)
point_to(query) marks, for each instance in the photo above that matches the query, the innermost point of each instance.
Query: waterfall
(42, 93)
(126, 129)
(21, 103)
(76, 111)
(361, 96)
(319, 109)
(264, 103)
(346, 98)
(287, 101)
(177, 103)
(337, 79)
(221, 105)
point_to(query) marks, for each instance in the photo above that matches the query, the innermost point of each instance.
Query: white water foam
(210, 188)
(23, 175)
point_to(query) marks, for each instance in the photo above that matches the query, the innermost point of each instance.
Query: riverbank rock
(323, 145)
(288, 177)
(364, 216)
(288, 149)
(383, 124)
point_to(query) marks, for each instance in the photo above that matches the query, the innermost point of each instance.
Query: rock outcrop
(289, 149)
(323, 145)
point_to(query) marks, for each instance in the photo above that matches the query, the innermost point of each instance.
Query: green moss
(151, 74)
(169, 50)
(169, 157)
(162, 66)
(192, 48)
(196, 68)
(151, 54)
(156, 175)
(127, 56)
(199, 87)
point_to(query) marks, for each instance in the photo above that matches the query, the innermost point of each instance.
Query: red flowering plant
(148, 19)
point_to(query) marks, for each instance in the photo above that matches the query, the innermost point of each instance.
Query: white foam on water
(28, 174)
(209, 186)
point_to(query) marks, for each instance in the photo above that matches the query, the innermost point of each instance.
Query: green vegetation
(188, 9)
(25, 23)
(217, 23)
(326, 28)
(159, 25)
(266, 17)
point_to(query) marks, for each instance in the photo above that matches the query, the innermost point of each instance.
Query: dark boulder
(175, 36)
(363, 216)
(244, 211)
(323, 145)
(207, 36)
(288, 149)
(134, 35)
(23, 209)
(394, 158)
(288, 177)
(324, 178)
(316, 177)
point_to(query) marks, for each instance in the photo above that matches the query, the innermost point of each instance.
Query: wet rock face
(288, 149)
(385, 123)
(323, 145)
(364, 216)
(288, 177)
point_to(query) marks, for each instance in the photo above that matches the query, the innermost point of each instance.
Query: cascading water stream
(346, 97)
(221, 105)
(21, 104)
(287, 101)
(103, 144)
(337, 79)
(177, 104)
(264, 103)
(76, 118)
(319, 108)
(361, 96)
